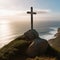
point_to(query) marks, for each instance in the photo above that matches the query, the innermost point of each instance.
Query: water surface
(10, 30)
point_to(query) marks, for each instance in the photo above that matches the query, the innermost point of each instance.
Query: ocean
(11, 30)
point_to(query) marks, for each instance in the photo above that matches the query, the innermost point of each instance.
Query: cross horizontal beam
(30, 12)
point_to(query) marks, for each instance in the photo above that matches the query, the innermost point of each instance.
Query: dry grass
(42, 58)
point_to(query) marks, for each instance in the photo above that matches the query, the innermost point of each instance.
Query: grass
(13, 49)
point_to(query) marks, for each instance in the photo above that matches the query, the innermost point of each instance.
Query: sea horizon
(12, 30)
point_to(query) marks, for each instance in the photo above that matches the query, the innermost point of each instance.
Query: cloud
(8, 4)
(43, 11)
(16, 4)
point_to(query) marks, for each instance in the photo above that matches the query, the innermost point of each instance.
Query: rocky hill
(28, 46)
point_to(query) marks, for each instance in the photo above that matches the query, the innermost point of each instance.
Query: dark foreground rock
(28, 44)
(37, 47)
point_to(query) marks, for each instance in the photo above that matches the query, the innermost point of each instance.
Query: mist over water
(9, 31)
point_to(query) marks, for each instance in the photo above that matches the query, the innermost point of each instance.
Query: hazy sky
(25, 4)
(16, 7)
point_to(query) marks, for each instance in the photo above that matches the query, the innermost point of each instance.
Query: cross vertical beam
(31, 17)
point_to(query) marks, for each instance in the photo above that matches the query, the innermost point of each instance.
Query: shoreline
(51, 34)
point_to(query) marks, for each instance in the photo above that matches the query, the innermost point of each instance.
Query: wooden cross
(31, 17)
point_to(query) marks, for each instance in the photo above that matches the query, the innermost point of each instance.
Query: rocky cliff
(55, 43)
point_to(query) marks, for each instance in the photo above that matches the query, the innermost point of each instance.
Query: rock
(58, 33)
(38, 46)
(59, 30)
(31, 34)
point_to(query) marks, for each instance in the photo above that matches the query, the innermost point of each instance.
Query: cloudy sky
(18, 8)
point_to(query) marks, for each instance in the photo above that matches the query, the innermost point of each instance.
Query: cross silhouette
(31, 17)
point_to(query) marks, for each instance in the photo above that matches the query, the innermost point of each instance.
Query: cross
(31, 17)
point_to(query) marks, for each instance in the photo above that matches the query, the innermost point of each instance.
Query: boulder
(37, 47)
(31, 34)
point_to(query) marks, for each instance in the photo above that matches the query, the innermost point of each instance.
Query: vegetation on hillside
(13, 49)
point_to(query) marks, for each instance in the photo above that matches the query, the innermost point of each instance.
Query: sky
(16, 9)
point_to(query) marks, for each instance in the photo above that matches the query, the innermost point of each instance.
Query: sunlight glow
(3, 21)
(5, 31)
(6, 12)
